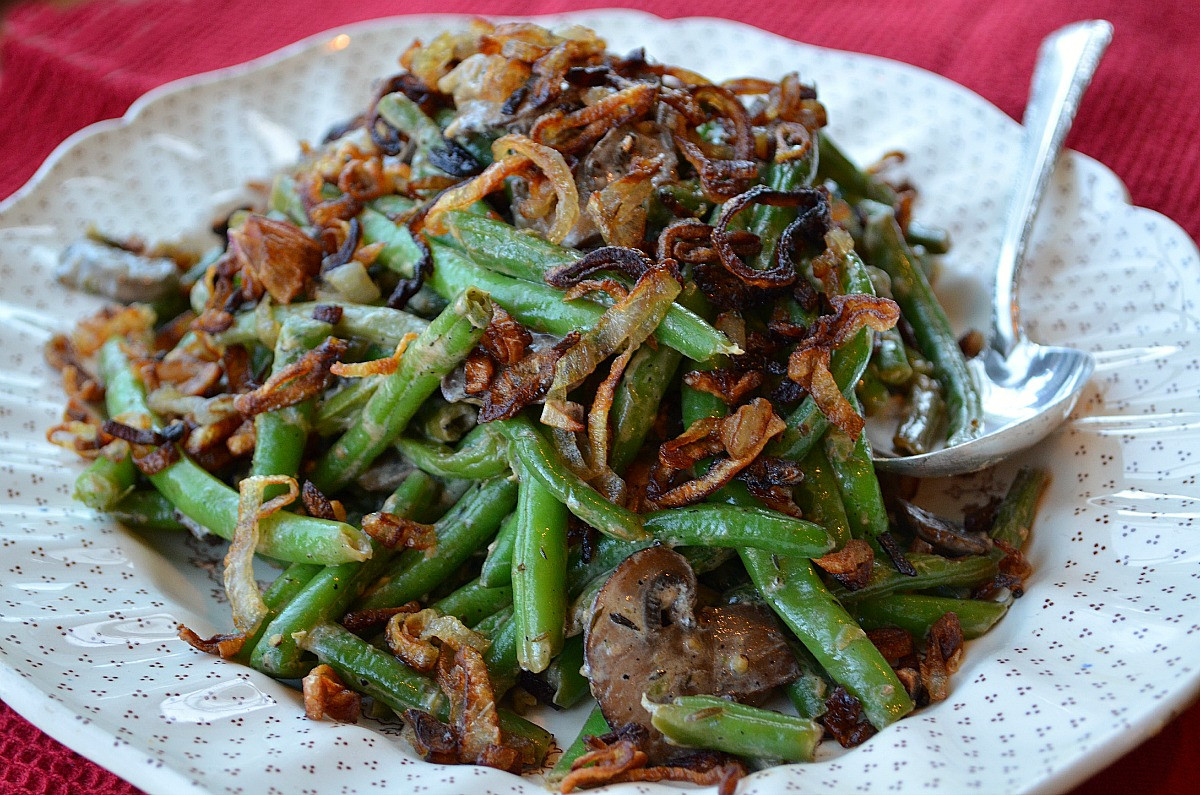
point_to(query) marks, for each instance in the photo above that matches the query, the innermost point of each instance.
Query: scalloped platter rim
(1096, 657)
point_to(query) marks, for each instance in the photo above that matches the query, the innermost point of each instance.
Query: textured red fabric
(63, 68)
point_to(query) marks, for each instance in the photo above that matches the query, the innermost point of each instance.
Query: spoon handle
(1066, 62)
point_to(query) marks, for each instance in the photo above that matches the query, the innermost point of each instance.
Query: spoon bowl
(1025, 397)
(1027, 389)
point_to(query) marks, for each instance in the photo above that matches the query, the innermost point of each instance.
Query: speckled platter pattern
(1101, 651)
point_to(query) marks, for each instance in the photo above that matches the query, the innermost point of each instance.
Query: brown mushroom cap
(645, 634)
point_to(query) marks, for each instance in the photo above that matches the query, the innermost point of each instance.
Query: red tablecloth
(63, 68)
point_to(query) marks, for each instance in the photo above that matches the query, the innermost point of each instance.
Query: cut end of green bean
(752, 732)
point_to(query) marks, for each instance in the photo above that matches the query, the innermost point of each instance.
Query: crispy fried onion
(812, 220)
(277, 255)
(373, 619)
(573, 132)
(729, 385)
(690, 240)
(720, 179)
(225, 646)
(152, 451)
(943, 656)
(809, 362)
(1013, 570)
(80, 431)
(851, 565)
(430, 62)
(507, 390)
(326, 696)
(893, 643)
(320, 506)
(772, 481)
(295, 383)
(620, 760)
(473, 734)
(844, 719)
(626, 260)
(245, 600)
(394, 532)
(513, 154)
(418, 638)
(385, 366)
(111, 321)
(620, 208)
(739, 437)
(623, 326)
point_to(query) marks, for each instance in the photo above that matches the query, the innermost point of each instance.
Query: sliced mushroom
(645, 635)
(944, 535)
(115, 273)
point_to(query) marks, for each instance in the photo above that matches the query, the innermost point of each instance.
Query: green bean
(449, 338)
(806, 424)
(501, 657)
(594, 726)
(497, 566)
(530, 448)
(286, 199)
(498, 246)
(570, 686)
(381, 676)
(923, 417)
(400, 252)
(796, 593)
(146, 509)
(277, 596)
(810, 690)
(378, 325)
(462, 531)
(341, 409)
(714, 723)
(490, 625)
(392, 204)
(767, 221)
(406, 116)
(872, 393)
(637, 400)
(857, 184)
(280, 435)
(441, 421)
(916, 613)
(686, 195)
(372, 671)
(933, 571)
(105, 482)
(1014, 517)
(911, 290)
(891, 359)
(210, 503)
(542, 307)
(474, 602)
(935, 239)
(736, 527)
(329, 594)
(539, 568)
(850, 462)
(483, 453)
(820, 499)
(580, 611)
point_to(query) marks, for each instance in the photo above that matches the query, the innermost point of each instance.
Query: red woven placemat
(63, 68)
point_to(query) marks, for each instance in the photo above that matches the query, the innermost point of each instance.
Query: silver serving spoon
(1027, 389)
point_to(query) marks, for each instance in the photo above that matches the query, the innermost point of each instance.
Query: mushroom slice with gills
(646, 635)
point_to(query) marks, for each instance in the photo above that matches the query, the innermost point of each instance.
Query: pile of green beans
(526, 527)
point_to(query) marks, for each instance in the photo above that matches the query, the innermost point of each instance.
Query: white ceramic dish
(1098, 655)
